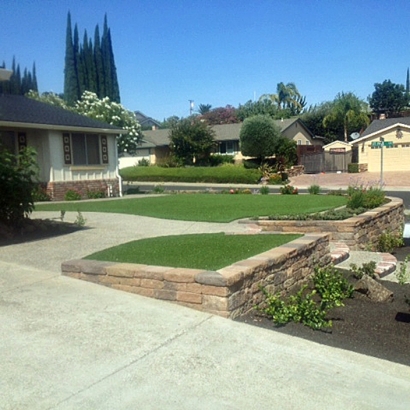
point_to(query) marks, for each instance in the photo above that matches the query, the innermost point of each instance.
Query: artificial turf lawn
(205, 207)
(199, 251)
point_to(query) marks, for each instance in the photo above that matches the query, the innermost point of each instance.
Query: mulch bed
(375, 329)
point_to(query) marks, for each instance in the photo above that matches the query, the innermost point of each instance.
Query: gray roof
(27, 112)
(223, 132)
(379, 125)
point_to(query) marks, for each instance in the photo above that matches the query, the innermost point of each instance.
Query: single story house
(155, 144)
(394, 135)
(145, 121)
(74, 152)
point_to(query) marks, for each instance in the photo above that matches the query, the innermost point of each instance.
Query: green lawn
(205, 207)
(206, 251)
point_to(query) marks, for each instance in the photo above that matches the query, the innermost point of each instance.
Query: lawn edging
(227, 292)
(358, 233)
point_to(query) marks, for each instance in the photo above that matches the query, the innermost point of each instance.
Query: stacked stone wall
(228, 292)
(361, 232)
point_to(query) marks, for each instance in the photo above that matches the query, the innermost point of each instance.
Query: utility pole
(191, 106)
(381, 161)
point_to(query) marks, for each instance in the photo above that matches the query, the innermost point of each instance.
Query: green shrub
(288, 190)
(275, 179)
(18, 175)
(314, 189)
(367, 268)
(389, 241)
(362, 197)
(219, 159)
(95, 194)
(72, 195)
(352, 168)
(143, 162)
(264, 190)
(40, 194)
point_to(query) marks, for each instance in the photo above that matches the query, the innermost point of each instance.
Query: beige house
(74, 152)
(155, 143)
(394, 134)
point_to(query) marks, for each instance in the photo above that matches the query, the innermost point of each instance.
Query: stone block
(193, 287)
(215, 290)
(214, 303)
(189, 297)
(181, 275)
(210, 278)
(165, 294)
(152, 284)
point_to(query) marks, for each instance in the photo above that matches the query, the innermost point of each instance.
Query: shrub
(18, 181)
(288, 190)
(363, 197)
(72, 195)
(389, 241)
(219, 159)
(96, 194)
(352, 168)
(40, 194)
(143, 162)
(314, 189)
(264, 190)
(276, 179)
(367, 268)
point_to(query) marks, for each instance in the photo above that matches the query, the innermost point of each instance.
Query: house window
(299, 142)
(8, 141)
(228, 147)
(85, 149)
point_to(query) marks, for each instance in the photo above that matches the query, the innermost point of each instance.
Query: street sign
(378, 144)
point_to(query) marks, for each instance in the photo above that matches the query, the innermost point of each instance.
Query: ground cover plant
(206, 251)
(205, 207)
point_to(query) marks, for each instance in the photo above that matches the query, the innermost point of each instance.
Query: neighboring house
(396, 145)
(155, 143)
(146, 122)
(74, 152)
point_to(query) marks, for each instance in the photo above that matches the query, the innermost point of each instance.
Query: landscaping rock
(373, 290)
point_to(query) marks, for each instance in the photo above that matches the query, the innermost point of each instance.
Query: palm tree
(287, 96)
(204, 108)
(348, 110)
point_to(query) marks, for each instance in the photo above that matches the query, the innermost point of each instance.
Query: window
(85, 149)
(7, 141)
(228, 147)
(299, 142)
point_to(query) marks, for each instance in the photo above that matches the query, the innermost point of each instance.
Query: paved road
(67, 344)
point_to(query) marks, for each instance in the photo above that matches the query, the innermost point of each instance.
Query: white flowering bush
(112, 113)
(49, 98)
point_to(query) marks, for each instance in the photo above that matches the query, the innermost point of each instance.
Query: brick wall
(359, 233)
(57, 190)
(228, 292)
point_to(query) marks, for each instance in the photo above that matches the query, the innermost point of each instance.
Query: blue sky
(218, 52)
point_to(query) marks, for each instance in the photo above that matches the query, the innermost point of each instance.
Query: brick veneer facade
(57, 190)
(358, 233)
(228, 292)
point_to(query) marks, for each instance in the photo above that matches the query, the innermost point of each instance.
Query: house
(394, 135)
(146, 122)
(155, 145)
(74, 152)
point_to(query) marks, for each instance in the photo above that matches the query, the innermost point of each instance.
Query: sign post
(381, 160)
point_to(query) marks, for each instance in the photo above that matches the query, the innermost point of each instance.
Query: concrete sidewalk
(68, 344)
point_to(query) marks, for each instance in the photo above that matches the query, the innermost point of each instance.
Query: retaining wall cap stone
(210, 278)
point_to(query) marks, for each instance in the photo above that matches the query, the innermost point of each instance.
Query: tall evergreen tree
(99, 65)
(408, 83)
(71, 90)
(35, 85)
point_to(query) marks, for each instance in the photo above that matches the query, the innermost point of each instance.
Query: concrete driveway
(67, 344)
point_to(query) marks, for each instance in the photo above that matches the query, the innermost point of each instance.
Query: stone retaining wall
(359, 233)
(228, 292)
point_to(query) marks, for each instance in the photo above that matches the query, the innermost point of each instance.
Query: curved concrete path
(68, 344)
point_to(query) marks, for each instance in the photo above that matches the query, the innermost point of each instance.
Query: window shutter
(67, 149)
(22, 140)
(104, 149)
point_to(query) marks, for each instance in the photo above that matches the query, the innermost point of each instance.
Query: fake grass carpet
(205, 207)
(200, 251)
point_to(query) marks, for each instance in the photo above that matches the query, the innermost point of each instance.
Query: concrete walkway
(68, 344)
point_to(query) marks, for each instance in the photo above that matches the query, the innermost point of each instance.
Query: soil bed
(361, 325)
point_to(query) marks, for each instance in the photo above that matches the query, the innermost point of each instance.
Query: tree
(204, 108)
(19, 85)
(112, 113)
(169, 122)
(388, 98)
(287, 97)
(192, 142)
(221, 115)
(259, 137)
(71, 90)
(348, 112)
(313, 118)
(261, 107)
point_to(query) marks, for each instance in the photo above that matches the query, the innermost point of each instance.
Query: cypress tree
(71, 90)
(105, 52)
(91, 68)
(35, 85)
(407, 83)
(99, 65)
(115, 89)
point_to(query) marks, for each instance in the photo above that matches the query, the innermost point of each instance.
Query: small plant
(80, 220)
(62, 214)
(314, 189)
(96, 194)
(367, 268)
(402, 275)
(159, 189)
(72, 195)
(264, 190)
(352, 168)
(247, 191)
(40, 194)
(388, 241)
(288, 190)
(143, 162)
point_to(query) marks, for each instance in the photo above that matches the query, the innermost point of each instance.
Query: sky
(218, 52)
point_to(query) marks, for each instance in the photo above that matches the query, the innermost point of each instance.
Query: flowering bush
(289, 190)
(114, 114)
